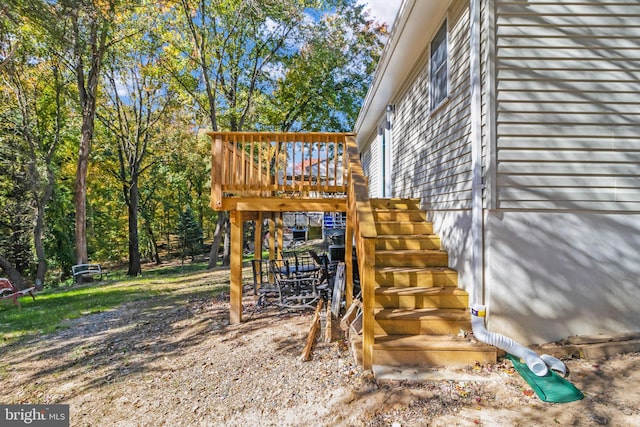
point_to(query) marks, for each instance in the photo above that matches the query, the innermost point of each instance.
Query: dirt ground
(176, 361)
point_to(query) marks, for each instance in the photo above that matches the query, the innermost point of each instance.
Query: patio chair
(327, 268)
(291, 257)
(261, 274)
(297, 290)
(8, 290)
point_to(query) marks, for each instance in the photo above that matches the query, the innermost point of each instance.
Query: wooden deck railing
(272, 164)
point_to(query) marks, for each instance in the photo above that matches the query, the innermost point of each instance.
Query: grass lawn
(176, 283)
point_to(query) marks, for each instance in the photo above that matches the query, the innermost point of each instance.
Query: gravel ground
(177, 362)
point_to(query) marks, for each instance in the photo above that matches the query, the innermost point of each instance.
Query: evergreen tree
(190, 233)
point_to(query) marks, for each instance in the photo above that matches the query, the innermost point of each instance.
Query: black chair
(261, 274)
(263, 284)
(327, 268)
(297, 290)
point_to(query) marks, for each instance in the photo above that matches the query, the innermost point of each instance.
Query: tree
(8, 44)
(35, 86)
(190, 233)
(137, 102)
(91, 26)
(225, 56)
(16, 215)
(225, 64)
(340, 51)
(83, 33)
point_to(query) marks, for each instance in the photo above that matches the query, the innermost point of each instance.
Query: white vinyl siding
(432, 153)
(568, 105)
(371, 164)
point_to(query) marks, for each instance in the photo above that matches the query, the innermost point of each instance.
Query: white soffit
(413, 28)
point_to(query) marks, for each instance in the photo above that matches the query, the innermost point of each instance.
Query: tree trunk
(134, 245)
(82, 256)
(38, 230)
(226, 253)
(14, 275)
(217, 239)
(87, 91)
(155, 254)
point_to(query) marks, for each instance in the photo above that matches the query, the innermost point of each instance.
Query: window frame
(437, 70)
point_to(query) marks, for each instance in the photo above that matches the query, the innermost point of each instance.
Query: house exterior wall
(568, 119)
(561, 234)
(552, 275)
(376, 178)
(431, 152)
(561, 154)
(366, 157)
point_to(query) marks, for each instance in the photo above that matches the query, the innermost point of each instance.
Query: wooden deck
(410, 301)
(257, 176)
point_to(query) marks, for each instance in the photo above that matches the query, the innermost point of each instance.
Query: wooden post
(272, 238)
(348, 260)
(367, 280)
(235, 315)
(216, 172)
(313, 331)
(257, 238)
(279, 230)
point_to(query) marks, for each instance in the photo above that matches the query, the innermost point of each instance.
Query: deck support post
(216, 172)
(257, 238)
(235, 315)
(280, 232)
(348, 261)
(272, 238)
(367, 282)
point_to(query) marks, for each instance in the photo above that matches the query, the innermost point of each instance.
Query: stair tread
(391, 210)
(428, 342)
(404, 252)
(395, 199)
(408, 269)
(382, 201)
(404, 222)
(420, 290)
(408, 236)
(422, 314)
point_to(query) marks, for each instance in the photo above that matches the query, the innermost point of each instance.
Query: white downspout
(388, 144)
(536, 364)
(477, 257)
(380, 161)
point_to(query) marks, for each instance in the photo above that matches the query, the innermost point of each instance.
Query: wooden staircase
(421, 316)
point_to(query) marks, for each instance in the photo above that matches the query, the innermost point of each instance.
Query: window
(439, 68)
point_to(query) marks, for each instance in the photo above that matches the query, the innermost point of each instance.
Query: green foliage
(59, 237)
(190, 233)
(16, 215)
(339, 52)
(171, 70)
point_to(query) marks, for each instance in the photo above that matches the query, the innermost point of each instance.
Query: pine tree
(190, 233)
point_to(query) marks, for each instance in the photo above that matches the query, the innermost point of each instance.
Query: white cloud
(383, 10)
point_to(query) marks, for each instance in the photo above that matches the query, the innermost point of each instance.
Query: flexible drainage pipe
(530, 357)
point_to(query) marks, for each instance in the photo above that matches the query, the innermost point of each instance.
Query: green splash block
(549, 388)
